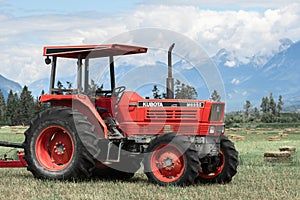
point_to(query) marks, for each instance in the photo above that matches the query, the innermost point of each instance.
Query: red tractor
(109, 133)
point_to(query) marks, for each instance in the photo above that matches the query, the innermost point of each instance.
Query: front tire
(171, 161)
(54, 149)
(226, 167)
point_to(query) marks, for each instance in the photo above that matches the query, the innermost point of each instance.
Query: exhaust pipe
(170, 80)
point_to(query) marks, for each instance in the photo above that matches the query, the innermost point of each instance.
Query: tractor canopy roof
(92, 51)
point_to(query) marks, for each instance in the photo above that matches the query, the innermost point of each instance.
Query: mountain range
(6, 85)
(278, 72)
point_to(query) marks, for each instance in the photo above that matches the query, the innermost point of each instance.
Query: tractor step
(113, 152)
(115, 133)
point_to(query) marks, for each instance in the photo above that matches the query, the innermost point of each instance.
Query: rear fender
(83, 104)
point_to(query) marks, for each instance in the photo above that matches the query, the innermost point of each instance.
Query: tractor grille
(216, 112)
(171, 114)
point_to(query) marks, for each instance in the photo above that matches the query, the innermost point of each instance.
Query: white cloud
(245, 93)
(245, 32)
(230, 63)
(235, 81)
(241, 31)
(227, 4)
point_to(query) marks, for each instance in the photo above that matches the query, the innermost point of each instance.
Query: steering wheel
(117, 92)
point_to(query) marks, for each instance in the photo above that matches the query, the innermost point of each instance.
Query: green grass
(256, 178)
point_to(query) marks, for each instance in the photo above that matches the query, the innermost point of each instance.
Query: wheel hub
(169, 163)
(54, 148)
(59, 148)
(213, 166)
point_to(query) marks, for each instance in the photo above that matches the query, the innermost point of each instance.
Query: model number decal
(195, 104)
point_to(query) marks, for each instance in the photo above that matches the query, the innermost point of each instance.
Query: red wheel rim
(217, 171)
(167, 163)
(54, 148)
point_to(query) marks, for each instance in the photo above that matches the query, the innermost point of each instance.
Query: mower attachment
(11, 163)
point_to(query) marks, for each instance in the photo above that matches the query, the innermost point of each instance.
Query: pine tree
(264, 105)
(256, 114)
(215, 96)
(27, 106)
(2, 109)
(279, 105)
(272, 104)
(178, 89)
(183, 91)
(247, 110)
(12, 108)
(155, 92)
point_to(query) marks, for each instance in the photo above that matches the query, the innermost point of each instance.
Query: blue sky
(30, 7)
(245, 28)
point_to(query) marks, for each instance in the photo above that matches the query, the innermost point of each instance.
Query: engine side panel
(139, 116)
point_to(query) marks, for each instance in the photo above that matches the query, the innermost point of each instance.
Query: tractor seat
(102, 110)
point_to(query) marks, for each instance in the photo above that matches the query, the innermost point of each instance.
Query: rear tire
(171, 161)
(227, 167)
(54, 149)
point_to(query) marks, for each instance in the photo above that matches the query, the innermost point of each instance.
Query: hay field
(256, 178)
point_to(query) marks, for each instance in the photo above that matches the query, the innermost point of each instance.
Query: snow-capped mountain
(6, 85)
(279, 75)
(285, 43)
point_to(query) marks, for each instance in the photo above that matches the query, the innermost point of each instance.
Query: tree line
(269, 111)
(182, 91)
(18, 109)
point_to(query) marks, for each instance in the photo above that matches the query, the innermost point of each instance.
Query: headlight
(211, 130)
(217, 130)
